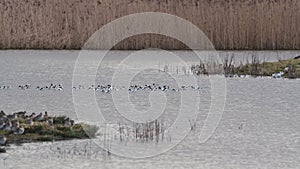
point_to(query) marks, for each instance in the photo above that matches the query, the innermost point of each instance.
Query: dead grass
(230, 24)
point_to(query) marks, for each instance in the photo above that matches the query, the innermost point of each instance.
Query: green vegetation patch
(269, 68)
(41, 131)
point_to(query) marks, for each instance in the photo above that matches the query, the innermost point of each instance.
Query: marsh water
(259, 127)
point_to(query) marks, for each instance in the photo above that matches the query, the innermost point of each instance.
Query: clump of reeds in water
(208, 68)
(176, 69)
(142, 132)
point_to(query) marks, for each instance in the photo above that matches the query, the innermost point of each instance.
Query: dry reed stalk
(230, 24)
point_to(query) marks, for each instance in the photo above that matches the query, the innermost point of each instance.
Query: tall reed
(230, 24)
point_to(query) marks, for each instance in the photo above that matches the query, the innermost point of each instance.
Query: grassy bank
(283, 68)
(41, 131)
(290, 68)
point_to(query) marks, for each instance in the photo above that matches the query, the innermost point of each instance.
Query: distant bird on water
(241, 127)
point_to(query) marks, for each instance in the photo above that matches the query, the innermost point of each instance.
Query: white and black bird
(21, 114)
(46, 116)
(67, 122)
(38, 118)
(32, 115)
(2, 113)
(29, 121)
(50, 121)
(7, 126)
(15, 125)
(12, 116)
(3, 140)
(2, 124)
(19, 131)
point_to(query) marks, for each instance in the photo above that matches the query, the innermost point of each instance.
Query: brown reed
(229, 24)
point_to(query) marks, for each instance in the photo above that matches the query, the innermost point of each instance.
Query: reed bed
(137, 132)
(230, 24)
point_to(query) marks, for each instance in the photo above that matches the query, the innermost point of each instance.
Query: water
(259, 128)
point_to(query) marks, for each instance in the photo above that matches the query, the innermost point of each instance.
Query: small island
(22, 127)
(289, 68)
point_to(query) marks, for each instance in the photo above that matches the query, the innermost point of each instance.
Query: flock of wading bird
(11, 122)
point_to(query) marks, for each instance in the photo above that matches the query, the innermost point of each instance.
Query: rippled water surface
(259, 128)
